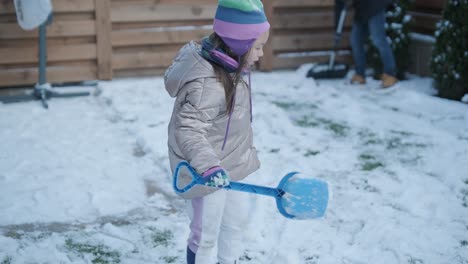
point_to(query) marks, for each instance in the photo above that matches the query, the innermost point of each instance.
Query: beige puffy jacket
(199, 119)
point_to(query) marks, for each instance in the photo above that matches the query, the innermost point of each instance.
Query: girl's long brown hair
(229, 81)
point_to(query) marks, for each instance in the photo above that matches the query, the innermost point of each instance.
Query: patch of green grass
(101, 253)
(366, 157)
(312, 259)
(14, 234)
(306, 121)
(403, 133)
(292, 106)
(7, 260)
(311, 153)
(369, 138)
(338, 129)
(169, 259)
(275, 150)
(246, 257)
(412, 260)
(373, 141)
(394, 143)
(285, 105)
(411, 160)
(397, 143)
(464, 193)
(370, 188)
(138, 151)
(366, 133)
(363, 184)
(162, 238)
(369, 166)
(370, 162)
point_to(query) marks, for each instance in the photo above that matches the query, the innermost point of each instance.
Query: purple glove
(216, 177)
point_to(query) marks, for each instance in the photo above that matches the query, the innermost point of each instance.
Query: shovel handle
(250, 188)
(196, 178)
(243, 187)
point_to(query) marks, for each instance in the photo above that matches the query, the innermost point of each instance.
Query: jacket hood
(187, 66)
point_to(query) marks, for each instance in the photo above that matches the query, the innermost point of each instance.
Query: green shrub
(449, 62)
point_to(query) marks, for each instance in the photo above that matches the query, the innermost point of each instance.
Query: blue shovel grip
(243, 187)
(196, 178)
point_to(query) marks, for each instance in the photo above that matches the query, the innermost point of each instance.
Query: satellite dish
(32, 13)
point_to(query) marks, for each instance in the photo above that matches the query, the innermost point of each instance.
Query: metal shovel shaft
(339, 31)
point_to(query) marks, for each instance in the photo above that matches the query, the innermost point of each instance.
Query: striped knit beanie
(239, 23)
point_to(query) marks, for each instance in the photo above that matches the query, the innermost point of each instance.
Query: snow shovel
(332, 70)
(297, 197)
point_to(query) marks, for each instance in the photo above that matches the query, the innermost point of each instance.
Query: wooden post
(266, 62)
(103, 37)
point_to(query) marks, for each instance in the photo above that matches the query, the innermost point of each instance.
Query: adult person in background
(369, 20)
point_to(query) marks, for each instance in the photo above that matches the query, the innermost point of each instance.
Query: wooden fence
(103, 39)
(72, 44)
(301, 31)
(425, 14)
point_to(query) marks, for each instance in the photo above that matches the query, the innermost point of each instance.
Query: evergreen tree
(397, 28)
(449, 62)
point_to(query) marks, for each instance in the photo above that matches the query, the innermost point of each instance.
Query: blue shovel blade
(303, 198)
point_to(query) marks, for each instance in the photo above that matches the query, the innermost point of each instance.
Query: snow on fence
(103, 39)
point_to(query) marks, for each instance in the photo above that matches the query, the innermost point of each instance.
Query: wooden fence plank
(73, 5)
(424, 22)
(172, 2)
(56, 29)
(266, 62)
(319, 41)
(55, 53)
(161, 24)
(315, 20)
(429, 4)
(54, 75)
(8, 7)
(142, 60)
(302, 3)
(293, 62)
(103, 36)
(139, 72)
(148, 37)
(138, 13)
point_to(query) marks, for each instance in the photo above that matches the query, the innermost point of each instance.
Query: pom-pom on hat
(239, 23)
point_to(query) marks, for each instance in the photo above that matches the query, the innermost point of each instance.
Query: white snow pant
(218, 219)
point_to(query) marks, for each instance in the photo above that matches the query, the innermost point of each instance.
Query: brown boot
(358, 79)
(388, 80)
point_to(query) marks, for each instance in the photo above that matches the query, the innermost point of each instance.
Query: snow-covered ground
(88, 180)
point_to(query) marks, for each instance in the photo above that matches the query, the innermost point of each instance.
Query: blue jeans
(376, 27)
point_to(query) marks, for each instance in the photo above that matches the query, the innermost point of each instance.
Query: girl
(211, 128)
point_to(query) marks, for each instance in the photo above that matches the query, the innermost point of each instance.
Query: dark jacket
(365, 9)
